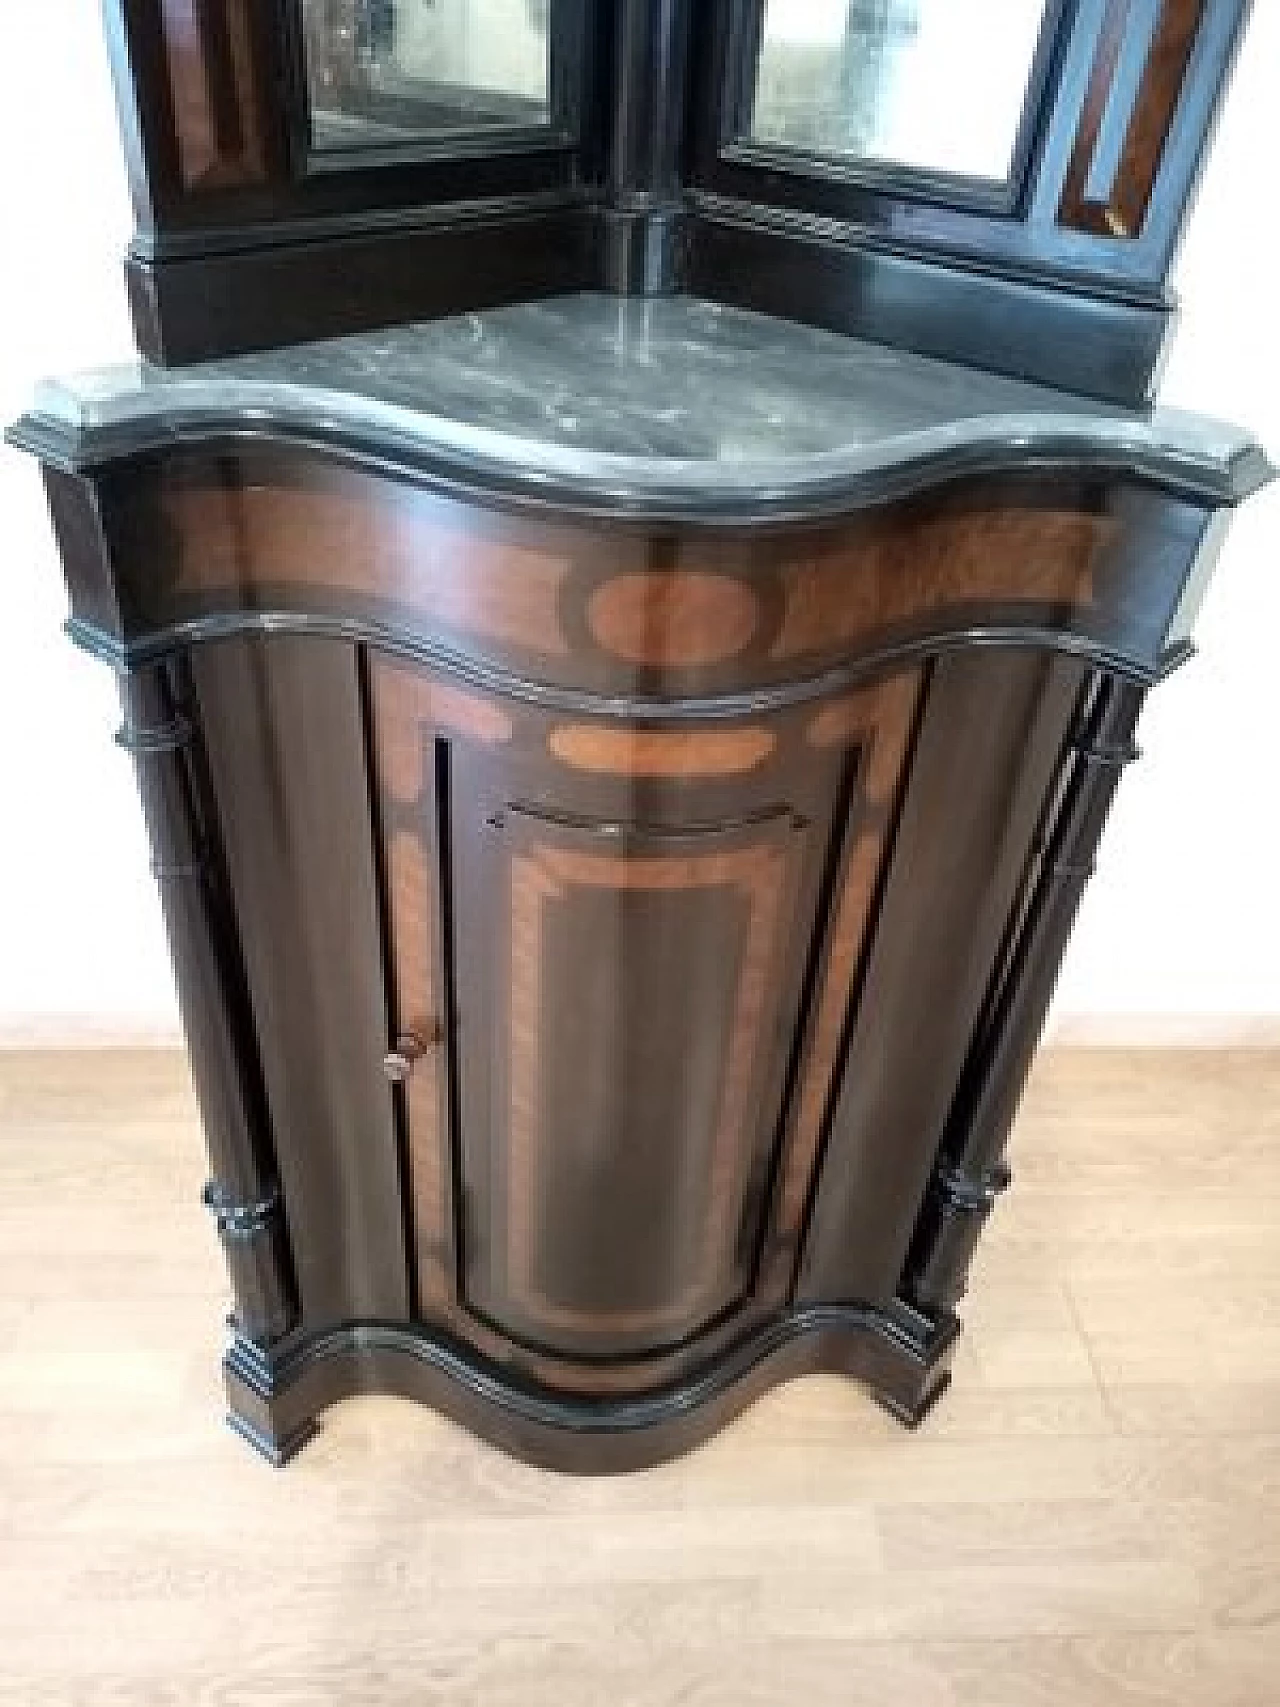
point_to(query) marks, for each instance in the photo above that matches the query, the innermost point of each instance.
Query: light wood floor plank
(1091, 1518)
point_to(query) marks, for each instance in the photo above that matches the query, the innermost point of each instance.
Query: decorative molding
(178, 637)
(903, 1356)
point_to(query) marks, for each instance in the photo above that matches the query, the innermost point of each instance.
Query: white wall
(1183, 919)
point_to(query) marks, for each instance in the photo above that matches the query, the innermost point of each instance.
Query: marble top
(670, 404)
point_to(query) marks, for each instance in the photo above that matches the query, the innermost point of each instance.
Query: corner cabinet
(633, 587)
(616, 861)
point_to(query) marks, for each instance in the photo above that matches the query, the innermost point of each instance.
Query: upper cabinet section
(1001, 182)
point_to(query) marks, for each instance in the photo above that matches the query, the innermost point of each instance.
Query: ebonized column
(243, 1194)
(972, 1172)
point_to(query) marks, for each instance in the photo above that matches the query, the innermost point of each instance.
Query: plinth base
(275, 1396)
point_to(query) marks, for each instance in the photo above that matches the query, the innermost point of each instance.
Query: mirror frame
(1113, 85)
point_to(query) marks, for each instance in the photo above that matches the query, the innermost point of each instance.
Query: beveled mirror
(388, 71)
(934, 86)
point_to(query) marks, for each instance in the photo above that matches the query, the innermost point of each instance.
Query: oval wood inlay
(680, 618)
(664, 753)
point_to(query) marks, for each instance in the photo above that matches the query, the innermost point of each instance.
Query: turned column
(243, 1194)
(972, 1172)
(642, 214)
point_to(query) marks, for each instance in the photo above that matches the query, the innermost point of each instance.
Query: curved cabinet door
(624, 1007)
(637, 948)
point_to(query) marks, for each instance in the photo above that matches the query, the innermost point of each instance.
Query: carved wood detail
(1139, 69)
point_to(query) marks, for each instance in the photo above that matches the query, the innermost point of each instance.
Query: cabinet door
(638, 950)
(625, 1003)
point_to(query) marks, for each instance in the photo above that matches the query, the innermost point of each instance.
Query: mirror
(387, 71)
(930, 85)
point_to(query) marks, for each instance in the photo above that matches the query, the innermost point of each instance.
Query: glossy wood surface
(1092, 1519)
(195, 541)
(649, 180)
(219, 84)
(282, 727)
(636, 933)
(1117, 153)
(618, 970)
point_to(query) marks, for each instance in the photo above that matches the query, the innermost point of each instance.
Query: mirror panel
(930, 85)
(386, 71)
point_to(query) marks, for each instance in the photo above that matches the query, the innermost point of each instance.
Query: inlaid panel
(661, 752)
(409, 712)
(631, 1091)
(677, 616)
(218, 81)
(638, 611)
(634, 952)
(875, 727)
(1141, 63)
(886, 570)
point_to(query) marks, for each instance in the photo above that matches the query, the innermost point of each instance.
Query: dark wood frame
(1040, 288)
(1036, 230)
(249, 237)
(993, 692)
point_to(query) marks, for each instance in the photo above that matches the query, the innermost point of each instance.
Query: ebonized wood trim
(988, 750)
(193, 308)
(901, 1355)
(802, 268)
(162, 730)
(1058, 448)
(971, 1170)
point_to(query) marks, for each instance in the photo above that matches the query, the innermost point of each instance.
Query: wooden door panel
(639, 948)
(615, 1123)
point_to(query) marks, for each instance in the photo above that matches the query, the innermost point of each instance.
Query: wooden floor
(1092, 1516)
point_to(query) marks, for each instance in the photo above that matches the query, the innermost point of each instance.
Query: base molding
(276, 1394)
